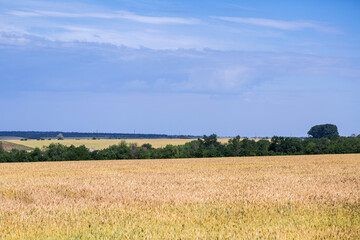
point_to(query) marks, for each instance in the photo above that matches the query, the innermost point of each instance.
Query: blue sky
(253, 68)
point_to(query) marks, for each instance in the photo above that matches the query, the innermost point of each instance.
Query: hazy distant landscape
(323, 139)
(8, 135)
(104, 143)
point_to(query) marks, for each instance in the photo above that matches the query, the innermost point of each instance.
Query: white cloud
(157, 20)
(189, 71)
(14, 39)
(283, 25)
(220, 79)
(115, 15)
(135, 38)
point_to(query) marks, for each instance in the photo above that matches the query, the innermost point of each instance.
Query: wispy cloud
(114, 15)
(283, 25)
(157, 20)
(143, 38)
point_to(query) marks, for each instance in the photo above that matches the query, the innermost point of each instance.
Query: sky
(248, 68)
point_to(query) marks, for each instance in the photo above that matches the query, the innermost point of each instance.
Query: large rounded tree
(60, 136)
(324, 131)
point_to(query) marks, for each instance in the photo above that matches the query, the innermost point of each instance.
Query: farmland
(8, 145)
(104, 143)
(307, 197)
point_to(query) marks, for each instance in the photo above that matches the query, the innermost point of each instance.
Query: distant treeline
(40, 135)
(208, 146)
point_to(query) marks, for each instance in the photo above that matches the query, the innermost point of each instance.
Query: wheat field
(104, 143)
(282, 197)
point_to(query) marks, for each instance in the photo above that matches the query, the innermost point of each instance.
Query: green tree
(60, 137)
(55, 152)
(324, 131)
(146, 146)
(234, 146)
(2, 153)
(36, 155)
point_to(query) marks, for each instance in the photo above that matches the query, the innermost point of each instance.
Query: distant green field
(104, 143)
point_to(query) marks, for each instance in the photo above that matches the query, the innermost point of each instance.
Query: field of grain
(104, 143)
(286, 197)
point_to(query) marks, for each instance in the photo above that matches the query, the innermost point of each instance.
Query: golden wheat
(104, 143)
(292, 197)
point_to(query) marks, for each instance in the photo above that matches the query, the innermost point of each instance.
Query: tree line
(45, 135)
(207, 146)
